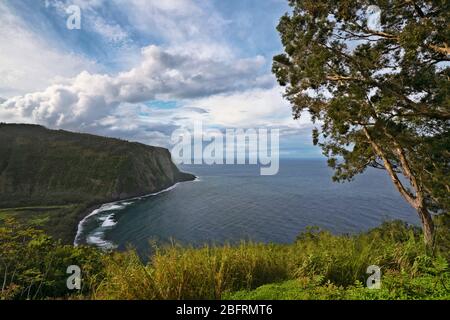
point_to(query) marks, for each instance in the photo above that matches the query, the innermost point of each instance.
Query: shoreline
(96, 209)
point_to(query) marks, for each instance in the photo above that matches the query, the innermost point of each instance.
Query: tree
(375, 79)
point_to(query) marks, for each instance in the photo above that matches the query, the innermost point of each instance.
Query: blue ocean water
(230, 203)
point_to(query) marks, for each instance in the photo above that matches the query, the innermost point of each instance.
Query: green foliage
(33, 266)
(177, 272)
(394, 287)
(59, 222)
(335, 268)
(380, 94)
(318, 265)
(342, 260)
(45, 167)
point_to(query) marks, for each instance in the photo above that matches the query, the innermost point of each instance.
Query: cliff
(39, 166)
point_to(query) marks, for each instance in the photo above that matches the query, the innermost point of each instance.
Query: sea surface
(230, 203)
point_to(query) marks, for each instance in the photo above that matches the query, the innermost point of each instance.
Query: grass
(393, 287)
(35, 208)
(59, 221)
(318, 265)
(187, 273)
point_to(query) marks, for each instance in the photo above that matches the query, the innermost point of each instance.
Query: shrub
(33, 266)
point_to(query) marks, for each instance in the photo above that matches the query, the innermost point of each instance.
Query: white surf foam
(97, 240)
(108, 221)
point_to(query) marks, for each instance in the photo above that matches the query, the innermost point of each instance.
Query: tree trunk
(427, 226)
(415, 200)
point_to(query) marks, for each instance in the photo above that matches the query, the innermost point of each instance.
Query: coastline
(107, 206)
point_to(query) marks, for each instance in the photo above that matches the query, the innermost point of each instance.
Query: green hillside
(71, 172)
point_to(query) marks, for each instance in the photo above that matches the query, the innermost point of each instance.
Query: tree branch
(406, 167)
(389, 168)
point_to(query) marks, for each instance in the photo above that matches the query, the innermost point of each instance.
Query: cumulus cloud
(161, 74)
(195, 66)
(253, 108)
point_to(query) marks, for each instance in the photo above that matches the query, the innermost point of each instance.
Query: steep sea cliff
(40, 167)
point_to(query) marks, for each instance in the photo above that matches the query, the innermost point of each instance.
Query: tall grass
(211, 272)
(342, 260)
(318, 265)
(177, 272)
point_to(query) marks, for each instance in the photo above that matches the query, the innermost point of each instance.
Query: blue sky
(139, 69)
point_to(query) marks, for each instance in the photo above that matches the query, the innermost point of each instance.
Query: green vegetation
(379, 93)
(318, 265)
(394, 287)
(33, 266)
(380, 97)
(72, 172)
(58, 221)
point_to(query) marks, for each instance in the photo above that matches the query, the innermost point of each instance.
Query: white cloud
(91, 19)
(61, 5)
(175, 20)
(252, 108)
(196, 66)
(28, 62)
(90, 97)
(111, 32)
(183, 25)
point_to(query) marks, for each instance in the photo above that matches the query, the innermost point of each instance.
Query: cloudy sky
(139, 69)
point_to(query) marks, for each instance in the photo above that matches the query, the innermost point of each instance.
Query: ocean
(231, 203)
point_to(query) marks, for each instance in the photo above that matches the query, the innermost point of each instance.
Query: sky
(140, 69)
